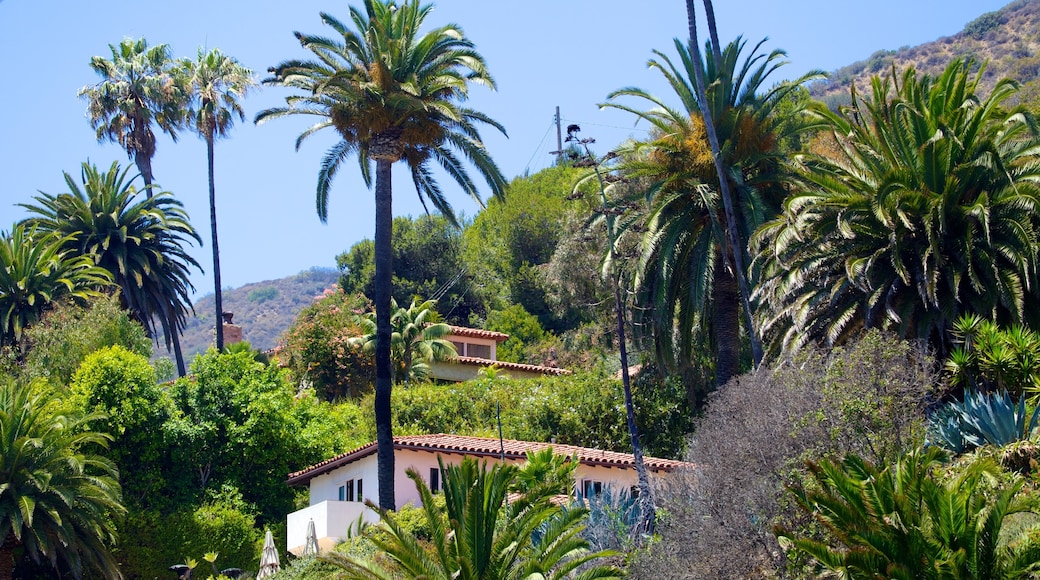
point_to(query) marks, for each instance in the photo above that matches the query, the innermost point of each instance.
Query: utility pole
(559, 139)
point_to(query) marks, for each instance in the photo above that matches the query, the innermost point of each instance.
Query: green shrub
(65, 335)
(151, 541)
(978, 28)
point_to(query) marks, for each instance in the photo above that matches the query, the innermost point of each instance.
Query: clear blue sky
(567, 53)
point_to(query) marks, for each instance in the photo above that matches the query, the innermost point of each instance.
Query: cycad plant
(58, 497)
(486, 537)
(926, 210)
(904, 521)
(36, 270)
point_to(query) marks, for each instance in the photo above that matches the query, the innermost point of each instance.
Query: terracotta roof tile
(484, 447)
(509, 366)
(479, 333)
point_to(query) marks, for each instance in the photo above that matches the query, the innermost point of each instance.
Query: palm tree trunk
(144, 165)
(382, 291)
(646, 501)
(737, 253)
(217, 295)
(713, 34)
(175, 336)
(7, 557)
(726, 303)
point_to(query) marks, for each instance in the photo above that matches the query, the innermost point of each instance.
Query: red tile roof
(508, 366)
(478, 333)
(485, 447)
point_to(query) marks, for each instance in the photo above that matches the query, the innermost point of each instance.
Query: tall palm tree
(392, 95)
(35, 271)
(484, 537)
(416, 341)
(686, 275)
(138, 86)
(217, 83)
(141, 242)
(902, 522)
(927, 211)
(58, 499)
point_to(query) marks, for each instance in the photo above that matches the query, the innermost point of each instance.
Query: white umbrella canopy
(310, 546)
(269, 563)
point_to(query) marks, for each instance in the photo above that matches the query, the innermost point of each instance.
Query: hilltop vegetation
(1007, 40)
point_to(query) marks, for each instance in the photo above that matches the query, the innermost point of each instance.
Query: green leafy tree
(694, 242)
(508, 240)
(36, 269)
(217, 83)
(139, 86)
(120, 387)
(523, 330)
(904, 522)
(927, 211)
(392, 94)
(417, 339)
(427, 262)
(236, 422)
(320, 352)
(486, 537)
(58, 498)
(68, 332)
(141, 242)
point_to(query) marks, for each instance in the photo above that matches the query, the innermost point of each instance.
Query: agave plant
(981, 419)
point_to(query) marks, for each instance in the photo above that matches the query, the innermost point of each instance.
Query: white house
(477, 349)
(340, 485)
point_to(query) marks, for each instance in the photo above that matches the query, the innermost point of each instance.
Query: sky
(543, 54)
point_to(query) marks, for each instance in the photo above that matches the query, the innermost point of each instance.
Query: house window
(435, 480)
(460, 348)
(590, 488)
(478, 350)
(342, 493)
(360, 496)
(346, 491)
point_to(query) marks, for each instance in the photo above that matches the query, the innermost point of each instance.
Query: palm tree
(902, 522)
(217, 82)
(58, 500)
(35, 271)
(140, 242)
(928, 211)
(138, 87)
(416, 341)
(484, 537)
(392, 95)
(686, 274)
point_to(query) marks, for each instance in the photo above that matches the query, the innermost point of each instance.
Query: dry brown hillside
(1007, 40)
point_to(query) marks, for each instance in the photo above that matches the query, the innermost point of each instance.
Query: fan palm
(392, 94)
(927, 212)
(417, 339)
(140, 242)
(685, 275)
(57, 498)
(138, 86)
(902, 522)
(217, 82)
(486, 537)
(36, 270)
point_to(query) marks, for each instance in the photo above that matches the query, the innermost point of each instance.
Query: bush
(317, 349)
(60, 341)
(151, 541)
(756, 431)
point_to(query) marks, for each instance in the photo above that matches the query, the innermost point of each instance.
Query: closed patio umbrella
(310, 546)
(268, 558)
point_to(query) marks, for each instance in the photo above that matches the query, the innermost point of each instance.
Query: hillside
(263, 309)
(1007, 40)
